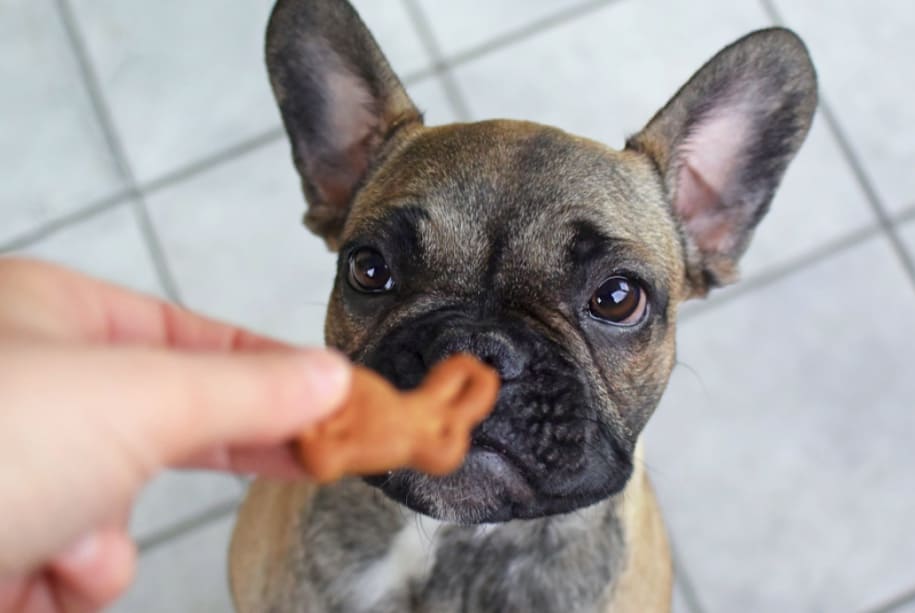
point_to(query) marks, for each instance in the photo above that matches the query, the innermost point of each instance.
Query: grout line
(873, 198)
(857, 168)
(64, 221)
(422, 74)
(240, 149)
(180, 528)
(90, 81)
(683, 580)
(797, 264)
(156, 250)
(894, 604)
(170, 178)
(208, 162)
(455, 98)
(905, 216)
(522, 33)
(116, 148)
(504, 40)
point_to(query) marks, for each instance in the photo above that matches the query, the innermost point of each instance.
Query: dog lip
(514, 483)
(481, 445)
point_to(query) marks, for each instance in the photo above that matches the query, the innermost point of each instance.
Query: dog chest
(408, 562)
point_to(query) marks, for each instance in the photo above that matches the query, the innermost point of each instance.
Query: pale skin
(100, 390)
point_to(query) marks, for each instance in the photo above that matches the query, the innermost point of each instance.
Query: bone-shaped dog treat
(380, 428)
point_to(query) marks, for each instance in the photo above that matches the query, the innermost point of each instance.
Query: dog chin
(487, 488)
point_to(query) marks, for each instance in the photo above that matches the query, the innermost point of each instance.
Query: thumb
(162, 406)
(195, 402)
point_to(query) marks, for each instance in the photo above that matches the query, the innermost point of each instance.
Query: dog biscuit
(380, 428)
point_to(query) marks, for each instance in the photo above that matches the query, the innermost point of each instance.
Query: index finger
(55, 303)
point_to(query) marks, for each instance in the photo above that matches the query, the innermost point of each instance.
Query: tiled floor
(141, 144)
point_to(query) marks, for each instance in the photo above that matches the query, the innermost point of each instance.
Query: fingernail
(328, 374)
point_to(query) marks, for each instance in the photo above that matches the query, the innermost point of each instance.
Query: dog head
(558, 260)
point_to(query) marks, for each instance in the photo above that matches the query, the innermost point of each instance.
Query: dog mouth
(501, 459)
(504, 477)
(490, 486)
(545, 448)
(502, 470)
(534, 456)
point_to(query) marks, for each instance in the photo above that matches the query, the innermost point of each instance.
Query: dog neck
(392, 559)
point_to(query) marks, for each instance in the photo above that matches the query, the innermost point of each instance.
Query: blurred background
(139, 142)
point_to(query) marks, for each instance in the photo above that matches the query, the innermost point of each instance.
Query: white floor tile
(176, 496)
(818, 202)
(894, 603)
(108, 246)
(187, 80)
(52, 151)
(907, 233)
(863, 50)
(430, 98)
(595, 76)
(906, 607)
(459, 26)
(679, 604)
(183, 80)
(782, 451)
(236, 245)
(187, 575)
(391, 26)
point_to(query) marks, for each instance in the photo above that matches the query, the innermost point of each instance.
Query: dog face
(533, 250)
(557, 260)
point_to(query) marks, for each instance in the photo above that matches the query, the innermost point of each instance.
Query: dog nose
(500, 353)
(491, 347)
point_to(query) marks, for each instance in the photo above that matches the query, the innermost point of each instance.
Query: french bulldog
(555, 259)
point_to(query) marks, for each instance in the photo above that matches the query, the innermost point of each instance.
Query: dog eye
(620, 301)
(368, 272)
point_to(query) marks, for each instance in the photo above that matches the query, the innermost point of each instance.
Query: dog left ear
(723, 142)
(340, 100)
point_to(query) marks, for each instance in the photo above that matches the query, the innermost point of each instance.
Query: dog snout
(492, 347)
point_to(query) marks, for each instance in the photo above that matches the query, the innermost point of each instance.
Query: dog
(553, 258)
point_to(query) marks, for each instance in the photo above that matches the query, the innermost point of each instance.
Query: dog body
(384, 558)
(559, 261)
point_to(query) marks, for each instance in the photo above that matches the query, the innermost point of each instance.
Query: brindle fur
(497, 232)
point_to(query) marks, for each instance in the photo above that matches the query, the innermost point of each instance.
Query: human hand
(100, 389)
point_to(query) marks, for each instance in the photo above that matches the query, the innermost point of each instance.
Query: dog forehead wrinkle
(589, 242)
(453, 242)
(397, 221)
(522, 176)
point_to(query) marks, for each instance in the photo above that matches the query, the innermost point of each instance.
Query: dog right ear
(722, 143)
(340, 103)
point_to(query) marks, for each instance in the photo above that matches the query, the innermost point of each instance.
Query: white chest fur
(410, 558)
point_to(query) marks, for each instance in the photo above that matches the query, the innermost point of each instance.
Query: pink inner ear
(351, 113)
(350, 121)
(709, 159)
